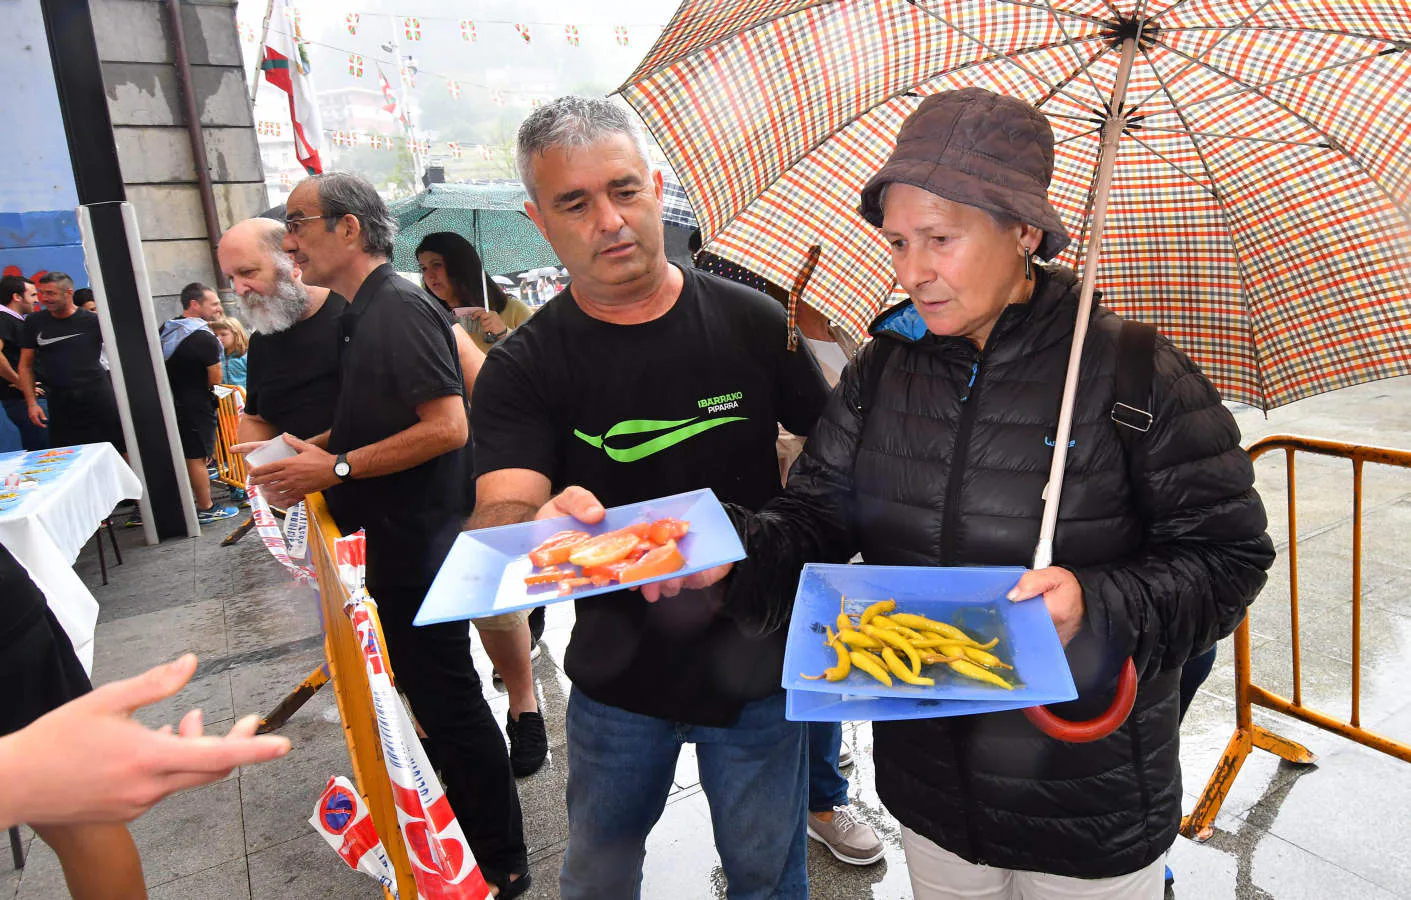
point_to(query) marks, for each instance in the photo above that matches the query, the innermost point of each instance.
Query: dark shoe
(529, 743)
(536, 625)
(516, 888)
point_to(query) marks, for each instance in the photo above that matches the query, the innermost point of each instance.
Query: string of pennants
(350, 140)
(527, 32)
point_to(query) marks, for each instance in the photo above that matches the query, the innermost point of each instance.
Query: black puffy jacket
(948, 467)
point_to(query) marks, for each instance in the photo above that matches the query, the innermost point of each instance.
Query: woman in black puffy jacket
(1155, 557)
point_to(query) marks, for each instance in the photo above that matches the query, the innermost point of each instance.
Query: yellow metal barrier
(230, 466)
(350, 687)
(1200, 824)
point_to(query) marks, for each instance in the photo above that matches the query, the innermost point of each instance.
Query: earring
(1028, 264)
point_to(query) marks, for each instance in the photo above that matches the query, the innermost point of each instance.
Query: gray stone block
(233, 154)
(171, 265)
(238, 201)
(142, 94)
(155, 154)
(222, 96)
(211, 36)
(131, 31)
(168, 211)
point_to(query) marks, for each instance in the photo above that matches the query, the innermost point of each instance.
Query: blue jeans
(32, 436)
(827, 787)
(620, 766)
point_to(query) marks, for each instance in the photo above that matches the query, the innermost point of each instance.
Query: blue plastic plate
(812, 706)
(970, 598)
(484, 573)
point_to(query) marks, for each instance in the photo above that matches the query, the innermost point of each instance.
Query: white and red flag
(286, 66)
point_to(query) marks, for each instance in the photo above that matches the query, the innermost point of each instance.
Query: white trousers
(938, 874)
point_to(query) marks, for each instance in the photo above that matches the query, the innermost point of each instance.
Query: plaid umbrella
(490, 216)
(1258, 171)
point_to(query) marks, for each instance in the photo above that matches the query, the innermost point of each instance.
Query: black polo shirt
(397, 353)
(292, 381)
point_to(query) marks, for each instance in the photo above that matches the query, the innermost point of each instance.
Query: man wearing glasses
(391, 464)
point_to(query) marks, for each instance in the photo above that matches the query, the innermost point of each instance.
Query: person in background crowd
(451, 272)
(292, 362)
(234, 344)
(831, 819)
(193, 363)
(391, 464)
(18, 296)
(574, 396)
(62, 347)
(83, 298)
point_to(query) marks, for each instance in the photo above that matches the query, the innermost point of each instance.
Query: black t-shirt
(689, 400)
(12, 336)
(186, 370)
(66, 350)
(397, 353)
(292, 376)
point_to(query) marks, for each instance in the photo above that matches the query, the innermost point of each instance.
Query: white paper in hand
(271, 451)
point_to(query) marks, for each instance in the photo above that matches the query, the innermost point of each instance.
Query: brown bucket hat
(977, 148)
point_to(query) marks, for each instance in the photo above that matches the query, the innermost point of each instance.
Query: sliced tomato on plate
(557, 548)
(661, 561)
(548, 576)
(663, 530)
(603, 549)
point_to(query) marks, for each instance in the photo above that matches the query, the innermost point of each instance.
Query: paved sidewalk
(1339, 829)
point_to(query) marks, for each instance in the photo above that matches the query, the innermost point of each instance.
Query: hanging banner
(286, 66)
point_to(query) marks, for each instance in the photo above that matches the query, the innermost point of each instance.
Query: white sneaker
(844, 756)
(847, 837)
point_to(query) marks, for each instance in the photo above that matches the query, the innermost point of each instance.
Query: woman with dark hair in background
(451, 272)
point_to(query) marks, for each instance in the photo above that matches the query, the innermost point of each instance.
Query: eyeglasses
(293, 225)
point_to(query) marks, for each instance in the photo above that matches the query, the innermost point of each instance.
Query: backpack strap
(881, 352)
(1136, 366)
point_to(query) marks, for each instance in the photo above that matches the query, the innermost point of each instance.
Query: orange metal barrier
(230, 466)
(1200, 824)
(350, 687)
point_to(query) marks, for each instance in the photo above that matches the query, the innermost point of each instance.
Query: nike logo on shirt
(44, 342)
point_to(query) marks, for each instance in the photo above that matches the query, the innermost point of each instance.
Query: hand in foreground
(1062, 595)
(573, 501)
(673, 586)
(88, 761)
(284, 482)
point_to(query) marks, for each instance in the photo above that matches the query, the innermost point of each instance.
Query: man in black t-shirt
(639, 381)
(291, 384)
(391, 464)
(17, 299)
(193, 353)
(62, 346)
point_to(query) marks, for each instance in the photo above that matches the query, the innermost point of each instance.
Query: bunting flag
(497, 96)
(273, 129)
(351, 20)
(285, 180)
(454, 88)
(411, 27)
(355, 65)
(523, 31)
(391, 99)
(408, 76)
(468, 30)
(375, 142)
(570, 33)
(455, 148)
(286, 66)
(485, 152)
(247, 33)
(620, 33)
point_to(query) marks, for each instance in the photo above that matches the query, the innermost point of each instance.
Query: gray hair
(573, 122)
(64, 282)
(345, 194)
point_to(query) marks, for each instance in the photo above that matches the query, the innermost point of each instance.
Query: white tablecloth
(49, 527)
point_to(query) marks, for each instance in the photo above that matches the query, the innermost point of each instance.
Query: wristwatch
(341, 467)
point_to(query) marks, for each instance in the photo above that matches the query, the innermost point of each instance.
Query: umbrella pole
(1111, 133)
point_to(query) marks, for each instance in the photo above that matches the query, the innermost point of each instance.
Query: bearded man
(292, 384)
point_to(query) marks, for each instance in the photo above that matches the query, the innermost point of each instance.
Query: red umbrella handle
(1092, 729)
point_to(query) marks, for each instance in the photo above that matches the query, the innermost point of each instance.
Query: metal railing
(1199, 825)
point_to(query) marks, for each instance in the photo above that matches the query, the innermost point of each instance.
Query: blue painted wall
(37, 193)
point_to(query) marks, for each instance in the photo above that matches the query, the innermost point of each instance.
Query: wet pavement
(1337, 829)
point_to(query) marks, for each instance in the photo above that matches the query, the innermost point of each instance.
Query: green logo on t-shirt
(674, 433)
